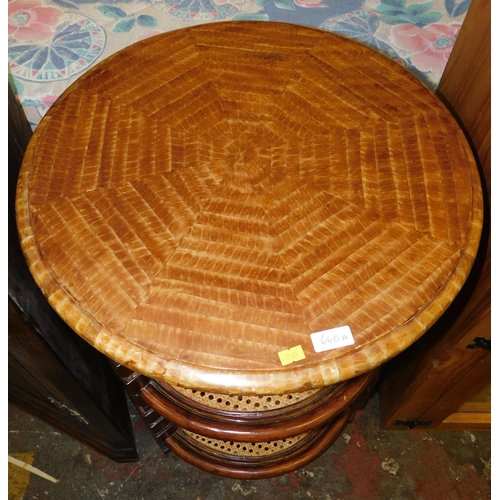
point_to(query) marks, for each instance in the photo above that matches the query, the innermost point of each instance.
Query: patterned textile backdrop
(52, 42)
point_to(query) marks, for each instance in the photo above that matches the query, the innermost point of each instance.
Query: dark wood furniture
(219, 222)
(53, 373)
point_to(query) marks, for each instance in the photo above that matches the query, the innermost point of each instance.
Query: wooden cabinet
(53, 373)
(442, 381)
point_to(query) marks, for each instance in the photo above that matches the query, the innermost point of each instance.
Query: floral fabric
(52, 42)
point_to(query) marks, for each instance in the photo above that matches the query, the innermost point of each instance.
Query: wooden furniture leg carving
(134, 382)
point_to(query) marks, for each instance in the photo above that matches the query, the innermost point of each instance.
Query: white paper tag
(332, 339)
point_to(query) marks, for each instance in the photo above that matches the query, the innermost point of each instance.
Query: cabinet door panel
(430, 381)
(53, 373)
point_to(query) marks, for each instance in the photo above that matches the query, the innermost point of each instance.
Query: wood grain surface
(209, 197)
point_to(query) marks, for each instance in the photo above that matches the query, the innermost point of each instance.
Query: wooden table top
(208, 198)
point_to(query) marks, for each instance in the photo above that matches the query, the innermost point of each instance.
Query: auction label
(290, 355)
(332, 339)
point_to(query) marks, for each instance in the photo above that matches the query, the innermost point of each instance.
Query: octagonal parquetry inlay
(214, 195)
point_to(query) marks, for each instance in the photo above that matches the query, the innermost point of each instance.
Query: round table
(249, 218)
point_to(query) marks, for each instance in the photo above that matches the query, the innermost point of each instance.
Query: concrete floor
(365, 463)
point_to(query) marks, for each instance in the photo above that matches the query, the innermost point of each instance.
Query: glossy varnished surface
(251, 184)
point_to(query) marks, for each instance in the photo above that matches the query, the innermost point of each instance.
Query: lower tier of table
(245, 437)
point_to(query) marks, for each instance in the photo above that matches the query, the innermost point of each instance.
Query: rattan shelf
(210, 197)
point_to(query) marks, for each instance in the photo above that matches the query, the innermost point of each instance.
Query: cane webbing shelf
(228, 402)
(210, 197)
